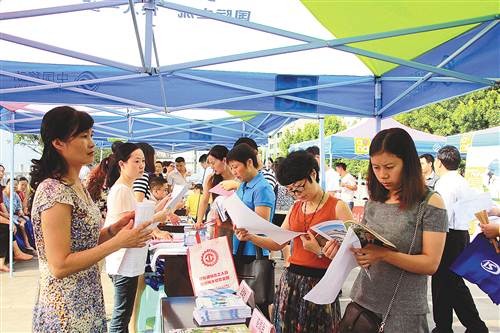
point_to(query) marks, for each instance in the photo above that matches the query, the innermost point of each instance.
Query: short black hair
(313, 150)
(20, 179)
(167, 163)
(341, 165)
(203, 158)
(180, 159)
(242, 153)
(198, 187)
(159, 162)
(450, 157)
(428, 157)
(156, 181)
(296, 166)
(249, 141)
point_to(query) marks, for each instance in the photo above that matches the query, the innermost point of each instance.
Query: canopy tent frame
(340, 44)
(147, 49)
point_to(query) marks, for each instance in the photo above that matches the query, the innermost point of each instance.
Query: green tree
(310, 131)
(474, 111)
(34, 142)
(31, 141)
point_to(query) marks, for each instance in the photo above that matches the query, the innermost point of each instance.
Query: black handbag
(357, 319)
(258, 273)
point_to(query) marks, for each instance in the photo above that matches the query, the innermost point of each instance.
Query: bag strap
(259, 254)
(420, 216)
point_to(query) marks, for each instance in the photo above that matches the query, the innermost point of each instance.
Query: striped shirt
(142, 185)
(270, 177)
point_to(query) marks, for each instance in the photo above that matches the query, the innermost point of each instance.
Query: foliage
(34, 142)
(471, 112)
(31, 141)
(310, 131)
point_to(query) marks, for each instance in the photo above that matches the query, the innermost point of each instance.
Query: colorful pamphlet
(367, 235)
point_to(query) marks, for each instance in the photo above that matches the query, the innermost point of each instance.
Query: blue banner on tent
(284, 82)
(480, 264)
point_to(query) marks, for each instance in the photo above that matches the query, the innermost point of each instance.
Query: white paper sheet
(177, 194)
(327, 289)
(167, 249)
(218, 189)
(134, 260)
(244, 217)
(464, 210)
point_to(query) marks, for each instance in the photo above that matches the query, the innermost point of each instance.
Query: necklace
(312, 217)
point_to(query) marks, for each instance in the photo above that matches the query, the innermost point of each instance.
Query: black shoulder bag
(257, 272)
(358, 319)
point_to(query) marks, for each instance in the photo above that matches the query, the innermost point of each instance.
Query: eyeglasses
(297, 189)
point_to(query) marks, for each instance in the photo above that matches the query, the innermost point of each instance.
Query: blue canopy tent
(486, 137)
(458, 53)
(354, 142)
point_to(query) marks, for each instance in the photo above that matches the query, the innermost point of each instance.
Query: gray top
(397, 226)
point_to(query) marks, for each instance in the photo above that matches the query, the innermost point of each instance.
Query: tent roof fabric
(353, 18)
(354, 142)
(264, 63)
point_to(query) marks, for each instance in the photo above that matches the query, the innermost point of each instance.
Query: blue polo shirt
(257, 192)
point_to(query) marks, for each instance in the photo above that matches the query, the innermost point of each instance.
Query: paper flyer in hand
(327, 289)
(177, 193)
(369, 236)
(244, 217)
(218, 189)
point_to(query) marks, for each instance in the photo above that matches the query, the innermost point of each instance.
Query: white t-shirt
(332, 180)
(120, 199)
(347, 195)
(453, 187)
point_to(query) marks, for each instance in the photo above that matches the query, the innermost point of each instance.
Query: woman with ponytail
(66, 222)
(217, 161)
(127, 165)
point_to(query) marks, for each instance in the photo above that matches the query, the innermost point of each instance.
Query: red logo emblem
(209, 257)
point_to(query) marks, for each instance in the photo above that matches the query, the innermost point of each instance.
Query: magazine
(329, 230)
(217, 329)
(367, 235)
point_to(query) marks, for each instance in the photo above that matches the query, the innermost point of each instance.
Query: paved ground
(17, 297)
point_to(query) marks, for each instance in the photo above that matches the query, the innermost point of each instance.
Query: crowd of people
(72, 224)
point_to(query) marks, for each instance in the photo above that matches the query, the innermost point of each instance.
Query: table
(177, 312)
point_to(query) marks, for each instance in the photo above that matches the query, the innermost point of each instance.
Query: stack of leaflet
(221, 309)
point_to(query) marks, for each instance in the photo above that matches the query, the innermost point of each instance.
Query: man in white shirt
(332, 178)
(348, 184)
(449, 291)
(427, 164)
(178, 176)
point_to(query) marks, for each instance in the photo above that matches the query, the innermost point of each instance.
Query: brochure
(367, 235)
(330, 230)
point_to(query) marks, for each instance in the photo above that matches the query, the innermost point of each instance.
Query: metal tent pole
(11, 206)
(322, 151)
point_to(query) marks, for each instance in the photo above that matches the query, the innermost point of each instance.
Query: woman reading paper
(299, 172)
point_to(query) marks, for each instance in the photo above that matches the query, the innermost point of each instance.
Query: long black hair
(219, 152)
(122, 153)
(149, 156)
(63, 123)
(398, 142)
